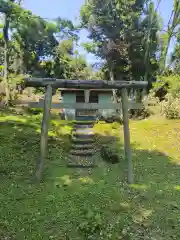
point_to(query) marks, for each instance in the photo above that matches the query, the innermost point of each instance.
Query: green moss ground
(71, 204)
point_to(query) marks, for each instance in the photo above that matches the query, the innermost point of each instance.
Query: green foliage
(173, 82)
(35, 111)
(167, 88)
(33, 40)
(171, 107)
(66, 29)
(118, 35)
(140, 113)
(92, 225)
(163, 39)
(176, 56)
(173, 25)
(151, 98)
(15, 79)
(69, 64)
(91, 47)
(16, 82)
(65, 47)
(110, 154)
(38, 47)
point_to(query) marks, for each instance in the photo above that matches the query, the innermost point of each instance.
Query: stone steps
(82, 146)
(81, 162)
(82, 141)
(83, 149)
(84, 123)
(82, 126)
(83, 136)
(83, 133)
(82, 152)
(86, 118)
(84, 130)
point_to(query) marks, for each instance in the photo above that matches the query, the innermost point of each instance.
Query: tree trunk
(111, 75)
(172, 24)
(6, 58)
(166, 53)
(147, 53)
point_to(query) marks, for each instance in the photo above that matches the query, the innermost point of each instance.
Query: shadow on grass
(20, 146)
(150, 167)
(154, 196)
(9, 110)
(20, 138)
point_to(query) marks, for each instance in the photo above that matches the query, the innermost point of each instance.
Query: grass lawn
(72, 204)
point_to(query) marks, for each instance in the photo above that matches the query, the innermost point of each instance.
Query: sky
(69, 9)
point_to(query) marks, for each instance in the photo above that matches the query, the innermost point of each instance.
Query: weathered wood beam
(83, 84)
(127, 144)
(131, 105)
(44, 134)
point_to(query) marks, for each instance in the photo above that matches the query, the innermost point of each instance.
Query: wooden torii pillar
(50, 84)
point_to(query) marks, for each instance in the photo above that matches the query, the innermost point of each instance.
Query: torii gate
(52, 83)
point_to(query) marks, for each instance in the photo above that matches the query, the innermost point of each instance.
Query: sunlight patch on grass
(177, 188)
(65, 180)
(125, 205)
(65, 177)
(64, 130)
(85, 180)
(13, 118)
(142, 215)
(160, 135)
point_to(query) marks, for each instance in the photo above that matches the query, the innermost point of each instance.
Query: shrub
(110, 117)
(173, 83)
(92, 225)
(171, 107)
(151, 99)
(110, 154)
(35, 111)
(166, 91)
(139, 113)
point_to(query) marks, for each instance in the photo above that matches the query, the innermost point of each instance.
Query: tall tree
(118, 28)
(151, 40)
(33, 39)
